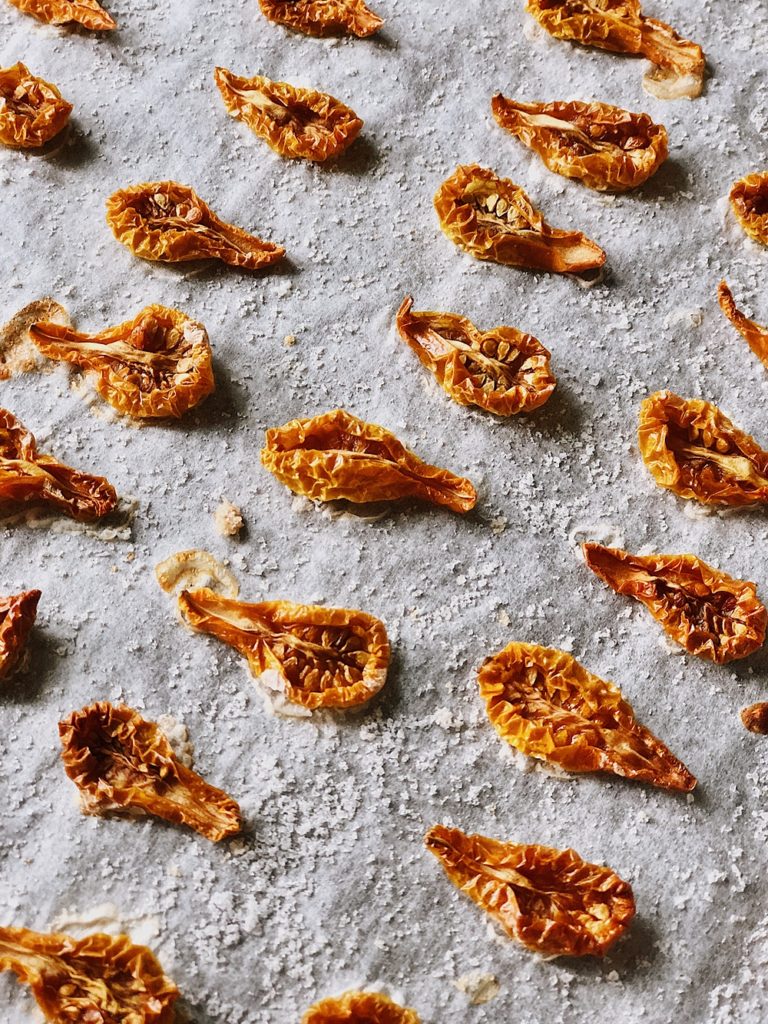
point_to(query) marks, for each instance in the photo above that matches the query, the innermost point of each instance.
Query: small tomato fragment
(706, 611)
(100, 979)
(194, 569)
(338, 456)
(312, 656)
(323, 17)
(754, 333)
(295, 122)
(493, 219)
(158, 364)
(755, 718)
(124, 764)
(17, 617)
(501, 370)
(359, 1008)
(550, 901)
(692, 449)
(33, 111)
(609, 149)
(749, 202)
(87, 13)
(28, 477)
(544, 703)
(166, 221)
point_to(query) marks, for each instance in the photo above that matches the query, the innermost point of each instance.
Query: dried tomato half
(691, 448)
(546, 704)
(551, 901)
(755, 718)
(311, 656)
(493, 219)
(28, 477)
(166, 221)
(501, 370)
(706, 611)
(101, 979)
(124, 764)
(337, 456)
(33, 111)
(323, 17)
(754, 333)
(295, 122)
(609, 149)
(359, 1008)
(749, 201)
(158, 364)
(87, 13)
(17, 617)
(620, 25)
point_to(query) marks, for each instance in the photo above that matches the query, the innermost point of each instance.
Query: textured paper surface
(333, 888)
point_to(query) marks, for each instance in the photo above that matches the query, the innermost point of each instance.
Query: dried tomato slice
(87, 13)
(551, 901)
(501, 370)
(754, 333)
(749, 201)
(17, 617)
(493, 219)
(609, 149)
(546, 704)
(755, 718)
(122, 763)
(706, 611)
(691, 448)
(323, 17)
(158, 364)
(29, 478)
(33, 111)
(359, 1008)
(311, 656)
(620, 25)
(295, 122)
(100, 979)
(166, 221)
(337, 456)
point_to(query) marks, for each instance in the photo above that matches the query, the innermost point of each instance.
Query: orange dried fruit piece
(308, 656)
(338, 456)
(27, 477)
(706, 611)
(620, 26)
(694, 450)
(550, 901)
(502, 370)
(749, 202)
(323, 17)
(33, 111)
(156, 365)
(492, 218)
(547, 705)
(295, 122)
(17, 617)
(607, 148)
(87, 13)
(359, 1008)
(755, 718)
(754, 333)
(169, 222)
(123, 764)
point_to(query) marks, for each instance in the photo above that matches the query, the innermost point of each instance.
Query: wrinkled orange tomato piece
(620, 25)
(28, 477)
(754, 333)
(544, 703)
(359, 1008)
(501, 370)
(609, 149)
(295, 122)
(551, 901)
(87, 13)
(100, 979)
(755, 718)
(323, 17)
(749, 202)
(692, 449)
(32, 111)
(493, 219)
(17, 617)
(706, 611)
(337, 456)
(315, 657)
(124, 764)
(166, 221)
(158, 364)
